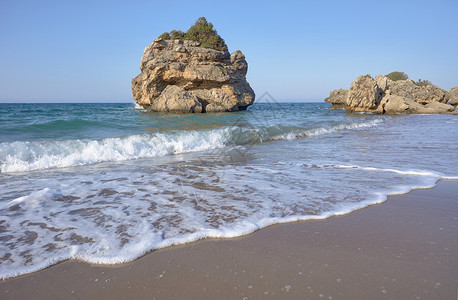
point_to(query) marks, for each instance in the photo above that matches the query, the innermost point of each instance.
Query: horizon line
(282, 101)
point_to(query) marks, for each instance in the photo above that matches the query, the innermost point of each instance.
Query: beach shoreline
(403, 248)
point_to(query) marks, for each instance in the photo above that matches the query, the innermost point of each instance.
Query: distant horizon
(294, 49)
(133, 102)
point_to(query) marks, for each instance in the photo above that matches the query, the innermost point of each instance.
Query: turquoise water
(107, 183)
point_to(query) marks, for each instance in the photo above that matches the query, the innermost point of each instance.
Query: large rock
(338, 98)
(383, 95)
(452, 96)
(364, 94)
(176, 99)
(181, 76)
(395, 104)
(439, 108)
(422, 94)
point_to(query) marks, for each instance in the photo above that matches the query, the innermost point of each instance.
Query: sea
(108, 183)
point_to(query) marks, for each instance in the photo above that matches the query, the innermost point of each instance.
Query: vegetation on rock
(395, 76)
(202, 31)
(422, 82)
(173, 35)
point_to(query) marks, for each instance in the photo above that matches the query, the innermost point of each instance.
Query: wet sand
(405, 248)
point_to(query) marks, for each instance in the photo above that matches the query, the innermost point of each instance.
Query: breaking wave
(22, 156)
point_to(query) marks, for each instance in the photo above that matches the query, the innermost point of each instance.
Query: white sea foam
(111, 217)
(403, 172)
(295, 134)
(22, 156)
(27, 156)
(138, 106)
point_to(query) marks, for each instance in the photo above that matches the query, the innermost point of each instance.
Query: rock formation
(179, 75)
(338, 98)
(383, 95)
(452, 96)
(364, 94)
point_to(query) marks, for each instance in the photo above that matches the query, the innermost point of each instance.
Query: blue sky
(88, 51)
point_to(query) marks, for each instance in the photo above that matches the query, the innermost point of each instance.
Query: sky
(88, 51)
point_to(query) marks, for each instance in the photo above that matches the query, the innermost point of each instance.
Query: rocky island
(393, 94)
(192, 72)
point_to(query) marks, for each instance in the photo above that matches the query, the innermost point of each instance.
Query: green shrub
(201, 31)
(395, 76)
(176, 35)
(165, 36)
(421, 82)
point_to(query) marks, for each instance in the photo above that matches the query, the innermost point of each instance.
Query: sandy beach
(405, 248)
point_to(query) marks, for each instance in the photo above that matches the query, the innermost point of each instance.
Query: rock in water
(383, 95)
(179, 75)
(364, 94)
(452, 96)
(422, 94)
(338, 98)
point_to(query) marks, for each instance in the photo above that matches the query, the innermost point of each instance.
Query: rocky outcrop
(394, 104)
(452, 96)
(383, 95)
(364, 94)
(182, 101)
(439, 108)
(180, 76)
(422, 94)
(338, 99)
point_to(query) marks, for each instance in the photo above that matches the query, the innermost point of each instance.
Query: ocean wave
(139, 107)
(20, 156)
(27, 156)
(300, 133)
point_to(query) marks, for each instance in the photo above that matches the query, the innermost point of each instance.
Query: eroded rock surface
(364, 94)
(452, 96)
(383, 95)
(338, 98)
(180, 76)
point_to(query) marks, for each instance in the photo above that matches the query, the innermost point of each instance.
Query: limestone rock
(383, 95)
(382, 82)
(439, 108)
(239, 63)
(364, 94)
(338, 98)
(452, 96)
(181, 76)
(176, 99)
(423, 94)
(393, 104)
